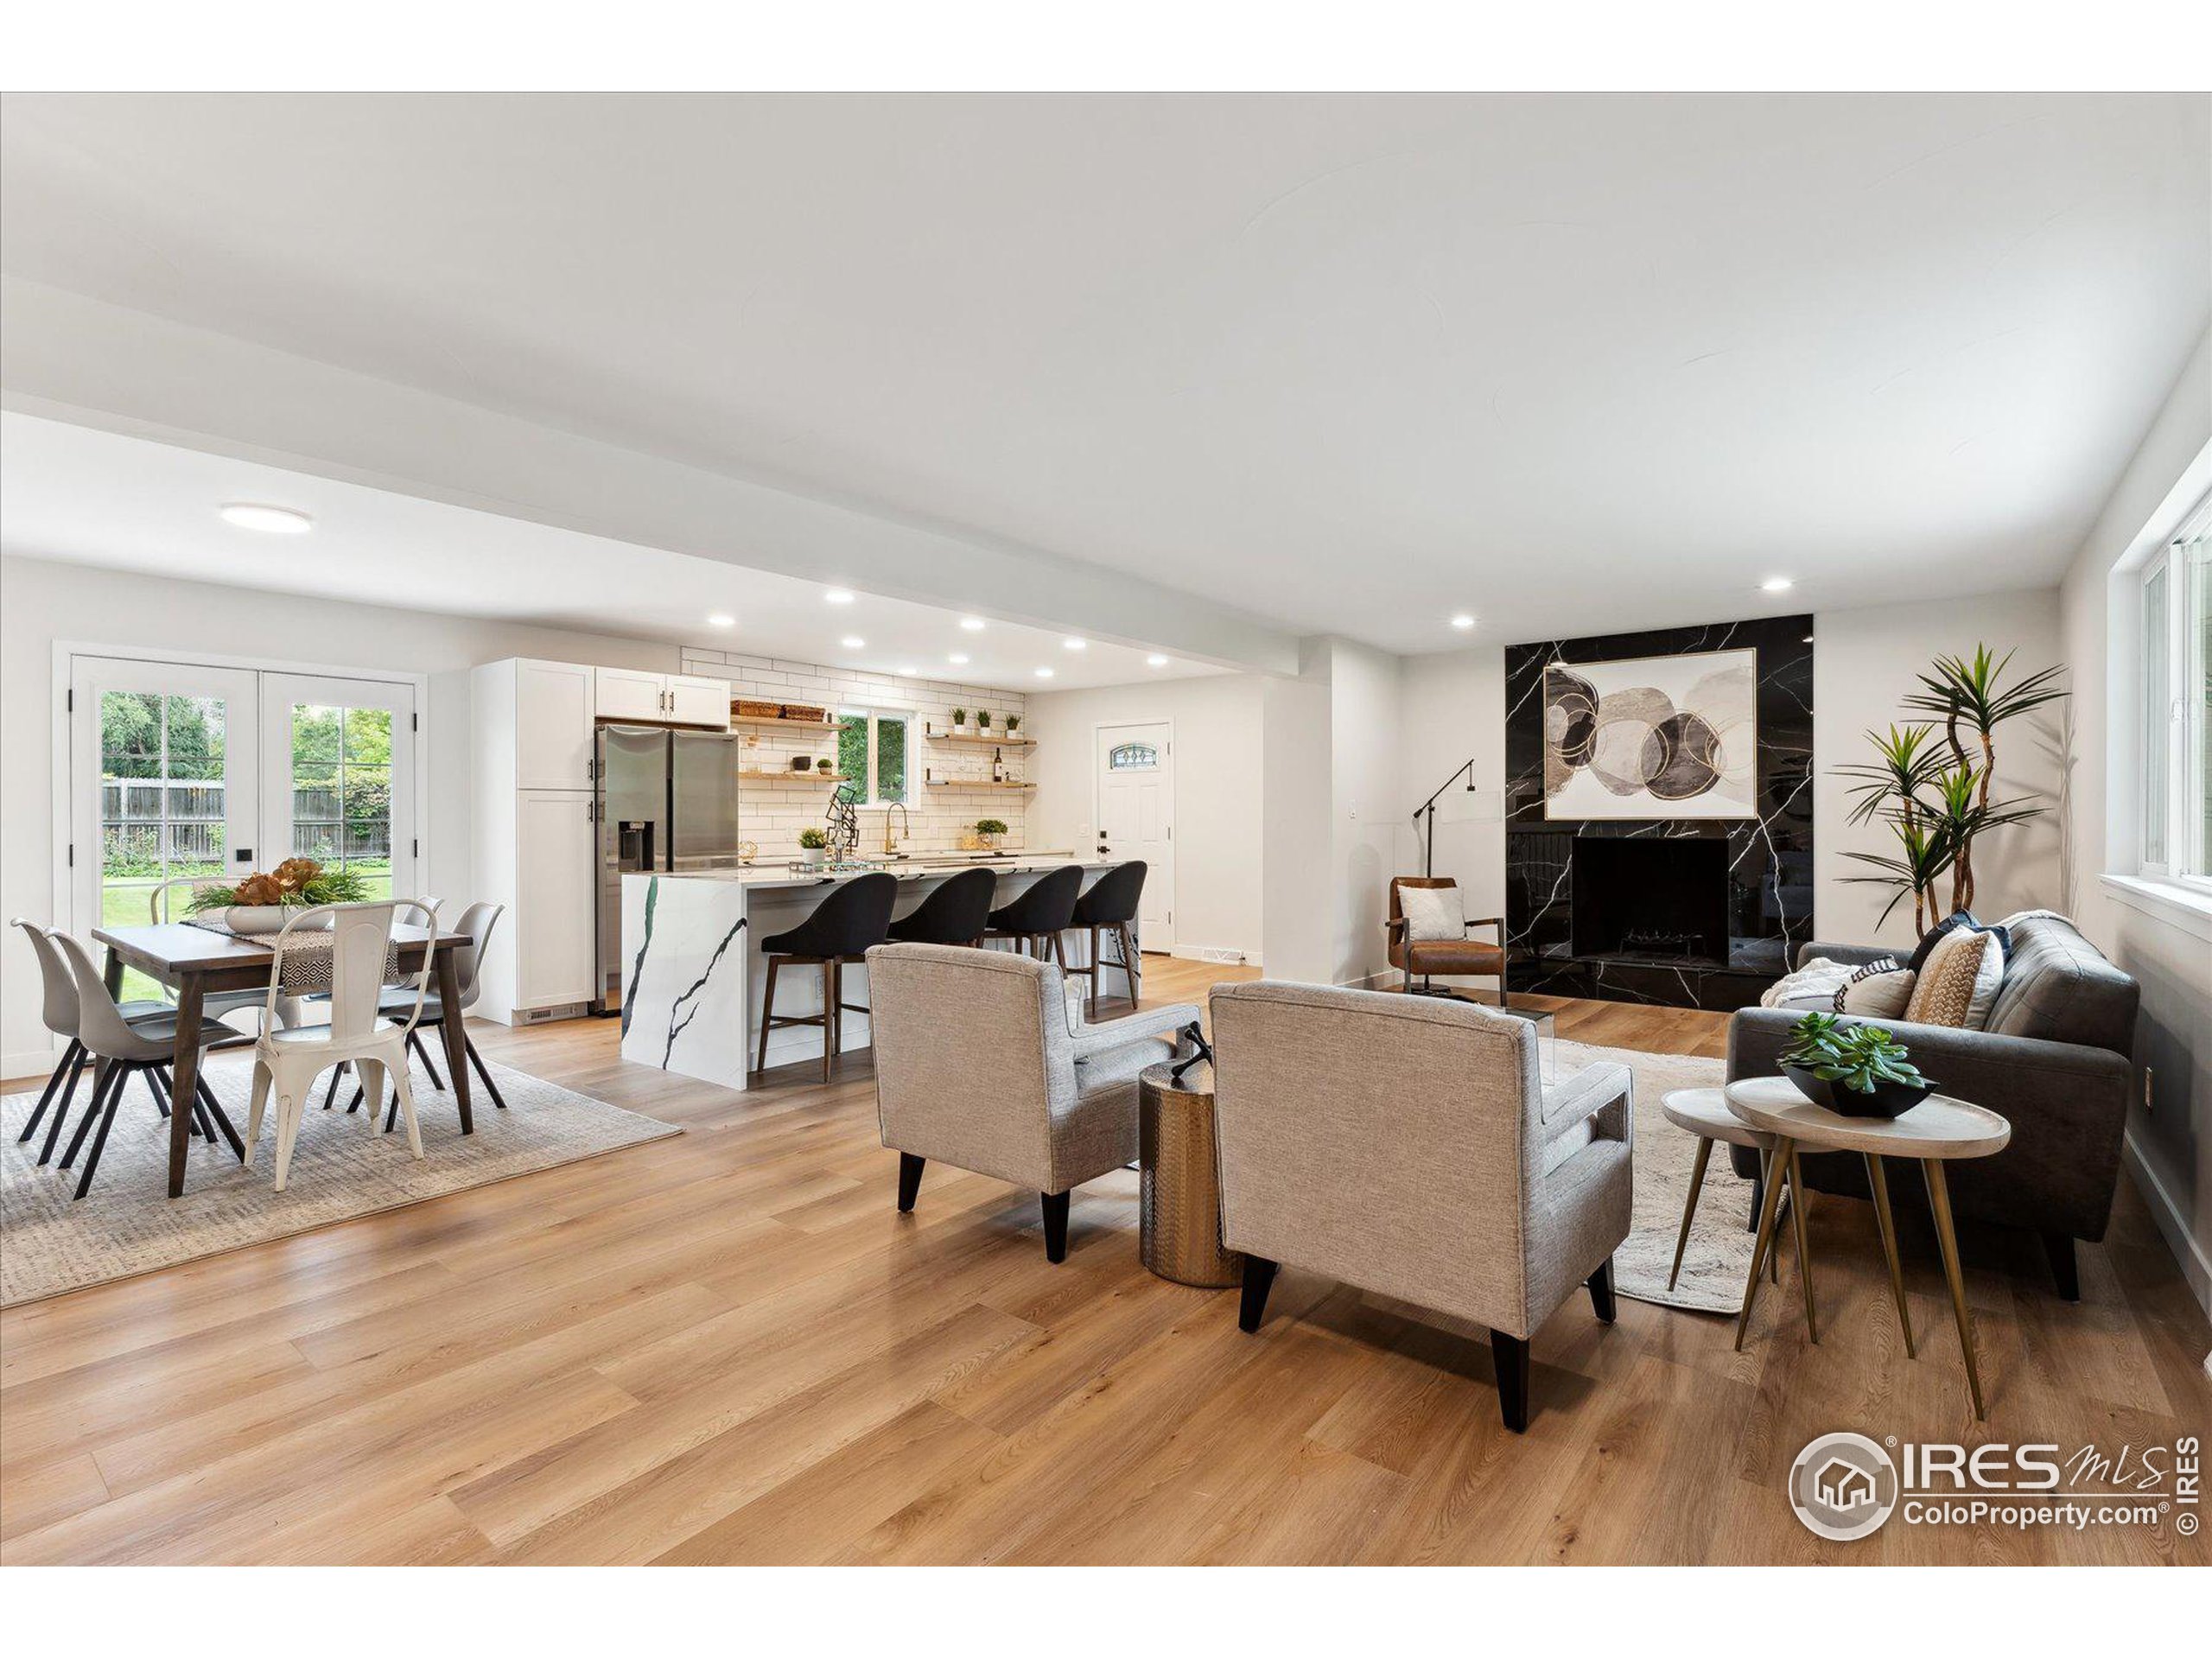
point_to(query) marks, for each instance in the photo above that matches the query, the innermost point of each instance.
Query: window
(2177, 679)
(1133, 757)
(873, 745)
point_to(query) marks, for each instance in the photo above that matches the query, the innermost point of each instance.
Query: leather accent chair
(1411, 1148)
(1419, 958)
(980, 1063)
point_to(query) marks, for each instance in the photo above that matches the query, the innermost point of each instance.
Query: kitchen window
(2175, 662)
(874, 746)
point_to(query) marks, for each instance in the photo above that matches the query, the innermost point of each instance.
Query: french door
(183, 775)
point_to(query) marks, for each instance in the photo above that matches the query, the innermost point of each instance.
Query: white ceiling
(70, 493)
(1346, 363)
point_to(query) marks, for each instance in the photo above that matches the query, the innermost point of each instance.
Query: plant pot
(1888, 1100)
(255, 918)
(810, 856)
(801, 763)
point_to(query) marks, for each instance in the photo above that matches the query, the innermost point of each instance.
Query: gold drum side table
(1180, 1175)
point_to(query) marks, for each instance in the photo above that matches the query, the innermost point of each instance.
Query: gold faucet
(905, 827)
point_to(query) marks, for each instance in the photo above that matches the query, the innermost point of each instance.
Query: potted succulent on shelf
(1013, 725)
(960, 720)
(982, 722)
(825, 766)
(810, 845)
(987, 830)
(1858, 1070)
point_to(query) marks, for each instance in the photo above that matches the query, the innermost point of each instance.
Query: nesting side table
(1936, 1130)
(1179, 1179)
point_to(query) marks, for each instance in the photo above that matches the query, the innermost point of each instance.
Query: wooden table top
(1705, 1112)
(181, 948)
(1939, 1127)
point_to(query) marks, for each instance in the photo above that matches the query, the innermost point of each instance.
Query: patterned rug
(339, 1169)
(1720, 1252)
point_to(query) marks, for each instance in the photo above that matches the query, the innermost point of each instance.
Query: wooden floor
(728, 1347)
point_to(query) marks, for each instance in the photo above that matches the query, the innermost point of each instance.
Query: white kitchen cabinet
(551, 706)
(664, 699)
(557, 842)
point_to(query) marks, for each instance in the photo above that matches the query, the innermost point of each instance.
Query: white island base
(693, 977)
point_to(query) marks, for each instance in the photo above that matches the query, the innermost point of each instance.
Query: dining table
(195, 962)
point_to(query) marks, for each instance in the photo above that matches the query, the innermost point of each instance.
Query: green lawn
(127, 901)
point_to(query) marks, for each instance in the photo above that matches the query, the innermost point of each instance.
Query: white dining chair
(287, 1061)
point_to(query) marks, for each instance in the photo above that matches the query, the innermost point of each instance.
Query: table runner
(306, 968)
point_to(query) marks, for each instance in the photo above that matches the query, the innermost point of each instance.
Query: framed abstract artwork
(1652, 737)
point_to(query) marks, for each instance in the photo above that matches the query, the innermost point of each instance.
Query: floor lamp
(1427, 808)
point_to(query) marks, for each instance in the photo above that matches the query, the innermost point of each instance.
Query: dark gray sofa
(2054, 1061)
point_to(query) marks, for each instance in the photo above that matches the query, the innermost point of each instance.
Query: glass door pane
(338, 755)
(162, 792)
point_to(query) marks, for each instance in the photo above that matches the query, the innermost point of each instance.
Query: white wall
(1864, 663)
(2168, 1140)
(1452, 710)
(1218, 744)
(1366, 807)
(1297, 847)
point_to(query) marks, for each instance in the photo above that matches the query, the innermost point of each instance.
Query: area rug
(1720, 1252)
(339, 1169)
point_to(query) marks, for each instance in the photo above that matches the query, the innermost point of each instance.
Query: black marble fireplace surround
(1709, 928)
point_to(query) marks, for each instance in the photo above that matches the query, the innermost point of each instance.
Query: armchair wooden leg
(1601, 1291)
(2059, 1246)
(1056, 1225)
(1259, 1279)
(910, 1180)
(1510, 1357)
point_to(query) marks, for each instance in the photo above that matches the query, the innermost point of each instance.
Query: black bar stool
(1112, 903)
(856, 915)
(1036, 919)
(956, 914)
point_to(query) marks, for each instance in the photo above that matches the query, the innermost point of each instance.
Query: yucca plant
(1968, 697)
(1925, 855)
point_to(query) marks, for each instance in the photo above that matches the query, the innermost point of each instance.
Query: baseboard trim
(2173, 1226)
(29, 1063)
(1197, 953)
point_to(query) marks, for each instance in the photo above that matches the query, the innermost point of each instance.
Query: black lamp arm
(1465, 769)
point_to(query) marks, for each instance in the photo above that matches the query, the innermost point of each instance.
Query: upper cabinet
(553, 704)
(664, 699)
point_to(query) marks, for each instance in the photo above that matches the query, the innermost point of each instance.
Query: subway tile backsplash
(773, 814)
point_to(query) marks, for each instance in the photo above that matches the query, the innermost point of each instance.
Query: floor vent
(1227, 958)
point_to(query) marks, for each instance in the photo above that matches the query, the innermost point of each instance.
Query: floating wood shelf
(823, 726)
(936, 736)
(793, 777)
(981, 783)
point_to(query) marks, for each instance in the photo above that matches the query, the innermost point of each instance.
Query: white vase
(810, 856)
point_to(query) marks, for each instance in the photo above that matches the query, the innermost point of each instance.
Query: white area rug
(339, 1169)
(1720, 1252)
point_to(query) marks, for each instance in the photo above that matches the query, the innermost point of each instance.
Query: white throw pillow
(1880, 990)
(1988, 980)
(1433, 912)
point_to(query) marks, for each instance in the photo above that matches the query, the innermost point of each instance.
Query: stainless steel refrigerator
(667, 801)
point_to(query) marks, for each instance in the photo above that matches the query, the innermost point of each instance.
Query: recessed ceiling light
(1155, 661)
(1776, 585)
(959, 660)
(838, 597)
(1463, 621)
(277, 521)
(852, 642)
(722, 620)
(1044, 673)
(973, 624)
(1075, 645)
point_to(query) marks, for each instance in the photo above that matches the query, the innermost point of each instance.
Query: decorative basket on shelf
(808, 711)
(754, 708)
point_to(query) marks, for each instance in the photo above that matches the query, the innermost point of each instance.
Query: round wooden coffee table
(1932, 1133)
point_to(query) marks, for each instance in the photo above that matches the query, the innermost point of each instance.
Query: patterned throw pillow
(1880, 990)
(1944, 992)
(1951, 923)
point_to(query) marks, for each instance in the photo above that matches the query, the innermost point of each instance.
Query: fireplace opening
(1658, 898)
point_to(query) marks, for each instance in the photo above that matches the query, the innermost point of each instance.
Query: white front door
(162, 768)
(1135, 798)
(338, 771)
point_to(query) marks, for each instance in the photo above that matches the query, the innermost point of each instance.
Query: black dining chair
(1035, 919)
(1111, 903)
(958, 912)
(856, 915)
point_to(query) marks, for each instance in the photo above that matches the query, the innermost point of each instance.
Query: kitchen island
(693, 973)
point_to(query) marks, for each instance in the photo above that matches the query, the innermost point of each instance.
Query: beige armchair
(982, 1062)
(1409, 1147)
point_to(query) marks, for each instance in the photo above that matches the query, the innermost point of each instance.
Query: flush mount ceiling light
(959, 660)
(1463, 621)
(1155, 661)
(1776, 585)
(852, 642)
(722, 620)
(973, 624)
(838, 597)
(1044, 673)
(276, 521)
(1075, 645)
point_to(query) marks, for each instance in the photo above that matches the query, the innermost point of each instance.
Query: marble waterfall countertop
(693, 971)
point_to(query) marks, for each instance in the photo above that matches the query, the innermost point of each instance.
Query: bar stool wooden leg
(1876, 1180)
(832, 1014)
(1939, 1200)
(1132, 963)
(1093, 971)
(767, 1014)
(1689, 1209)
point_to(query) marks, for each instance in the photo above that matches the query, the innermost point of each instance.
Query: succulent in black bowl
(1859, 1070)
